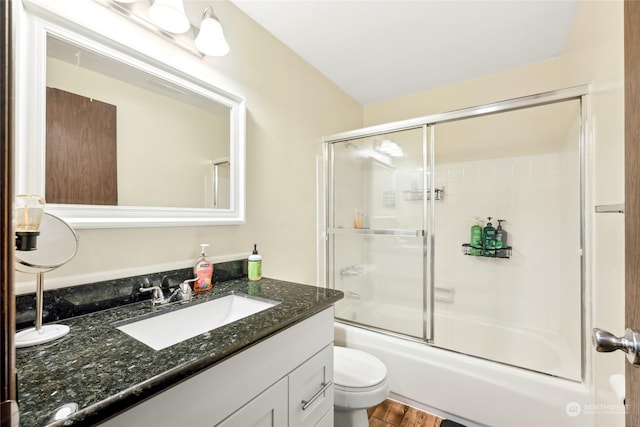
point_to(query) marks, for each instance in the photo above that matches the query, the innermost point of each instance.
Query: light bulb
(29, 210)
(210, 40)
(169, 15)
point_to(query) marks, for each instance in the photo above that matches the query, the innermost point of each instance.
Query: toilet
(360, 382)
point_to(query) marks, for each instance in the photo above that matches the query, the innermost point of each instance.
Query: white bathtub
(538, 350)
(472, 391)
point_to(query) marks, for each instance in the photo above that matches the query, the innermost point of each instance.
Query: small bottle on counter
(255, 265)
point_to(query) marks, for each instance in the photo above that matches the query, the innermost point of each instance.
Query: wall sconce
(210, 40)
(29, 210)
(169, 19)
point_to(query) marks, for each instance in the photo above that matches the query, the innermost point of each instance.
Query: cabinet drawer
(311, 389)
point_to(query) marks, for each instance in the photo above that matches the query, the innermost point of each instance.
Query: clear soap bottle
(501, 240)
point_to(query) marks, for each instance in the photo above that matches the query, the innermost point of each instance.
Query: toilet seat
(355, 370)
(359, 382)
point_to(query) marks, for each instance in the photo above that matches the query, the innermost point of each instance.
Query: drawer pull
(307, 403)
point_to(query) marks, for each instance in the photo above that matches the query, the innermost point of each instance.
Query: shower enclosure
(400, 201)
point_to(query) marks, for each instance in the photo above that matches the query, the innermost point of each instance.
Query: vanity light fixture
(211, 40)
(169, 15)
(168, 19)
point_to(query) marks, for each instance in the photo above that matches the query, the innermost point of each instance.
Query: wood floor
(395, 414)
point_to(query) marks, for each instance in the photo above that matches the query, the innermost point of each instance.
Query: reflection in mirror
(117, 135)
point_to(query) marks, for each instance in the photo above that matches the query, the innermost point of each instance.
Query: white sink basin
(167, 329)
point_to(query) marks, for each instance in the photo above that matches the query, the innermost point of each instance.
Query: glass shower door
(520, 169)
(376, 231)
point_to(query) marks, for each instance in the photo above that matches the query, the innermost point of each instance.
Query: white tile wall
(539, 286)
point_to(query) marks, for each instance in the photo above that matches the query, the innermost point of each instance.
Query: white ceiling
(381, 49)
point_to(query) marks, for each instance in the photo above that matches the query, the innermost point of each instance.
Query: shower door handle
(605, 341)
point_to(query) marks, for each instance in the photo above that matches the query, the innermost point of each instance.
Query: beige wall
(526, 80)
(290, 106)
(593, 55)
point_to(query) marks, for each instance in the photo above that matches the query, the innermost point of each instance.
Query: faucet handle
(165, 283)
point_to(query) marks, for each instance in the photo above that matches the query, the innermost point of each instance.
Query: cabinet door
(311, 389)
(268, 409)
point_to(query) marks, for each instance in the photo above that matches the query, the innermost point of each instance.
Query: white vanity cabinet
(284, 380)
(306, 394)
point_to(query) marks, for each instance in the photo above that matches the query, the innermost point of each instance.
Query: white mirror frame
(30, 125)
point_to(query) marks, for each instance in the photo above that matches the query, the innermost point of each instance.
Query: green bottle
(476, 238)
(489, 239)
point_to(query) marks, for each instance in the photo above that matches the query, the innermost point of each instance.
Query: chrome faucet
(183, 293)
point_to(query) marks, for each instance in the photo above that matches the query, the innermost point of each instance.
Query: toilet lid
(355, 368)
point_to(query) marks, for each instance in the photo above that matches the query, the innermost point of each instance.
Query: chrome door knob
(605, 341)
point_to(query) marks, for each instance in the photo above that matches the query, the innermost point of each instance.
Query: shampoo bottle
(501, 240)
(476, 238)
(489, 239)
(203, 271)
(255, 265)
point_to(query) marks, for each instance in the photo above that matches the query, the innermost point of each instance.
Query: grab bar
(307, 403)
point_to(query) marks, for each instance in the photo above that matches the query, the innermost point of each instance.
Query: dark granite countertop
(105, 371)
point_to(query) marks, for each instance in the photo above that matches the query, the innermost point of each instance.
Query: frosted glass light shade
(169, 15)
(210, 40)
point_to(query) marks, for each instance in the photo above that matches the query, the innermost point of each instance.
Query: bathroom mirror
(116, 139)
